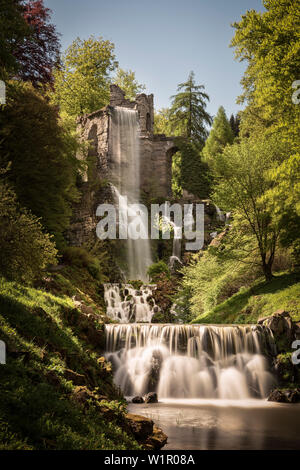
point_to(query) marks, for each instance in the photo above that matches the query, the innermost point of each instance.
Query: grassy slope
(261, 299)
(45, 336)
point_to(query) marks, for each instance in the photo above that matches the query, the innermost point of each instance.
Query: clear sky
(163, 40)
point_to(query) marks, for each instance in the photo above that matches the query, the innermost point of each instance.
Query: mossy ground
(45, 336)
(259, 300)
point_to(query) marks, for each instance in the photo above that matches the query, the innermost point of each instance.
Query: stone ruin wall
(156, 161)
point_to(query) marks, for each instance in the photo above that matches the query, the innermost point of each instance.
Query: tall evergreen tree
(234, 122)
(188, 113)
(220, 135)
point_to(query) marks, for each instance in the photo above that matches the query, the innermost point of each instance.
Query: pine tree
(234, 122)
(220, 135)
(187, 112)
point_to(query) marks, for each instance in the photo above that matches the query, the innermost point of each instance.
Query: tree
(242, 181)
(82, 80)
(13, 30)
(234, 122)
(220, 135)
(42, 156)
(126, 80)
(187, 113)
(38, 54)
(25, 249)
(283, 200)
(266, 40)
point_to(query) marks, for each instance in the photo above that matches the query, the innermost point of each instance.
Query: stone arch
(169, 158)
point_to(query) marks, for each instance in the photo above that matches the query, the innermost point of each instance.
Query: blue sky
(163, 40)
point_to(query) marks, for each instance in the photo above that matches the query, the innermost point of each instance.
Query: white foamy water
(126, 304)
(126, 186)
(190, 361)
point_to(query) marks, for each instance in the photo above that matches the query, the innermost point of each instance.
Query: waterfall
(126, 304)
(190, 361)
(176, 249)
(126, 185)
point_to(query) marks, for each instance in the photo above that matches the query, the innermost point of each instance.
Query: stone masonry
(156, 151)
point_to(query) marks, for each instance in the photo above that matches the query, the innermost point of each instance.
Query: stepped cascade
(190, 361)
(126, 304)
(126, 188)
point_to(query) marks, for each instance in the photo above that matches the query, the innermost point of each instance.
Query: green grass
(44, 336)
(259, 300)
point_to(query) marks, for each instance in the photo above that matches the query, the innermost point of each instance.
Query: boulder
(140, 426)
(137, 400)
(157, 439)
(285, 396)
(151, 398)
(282, 327)
(148, 435)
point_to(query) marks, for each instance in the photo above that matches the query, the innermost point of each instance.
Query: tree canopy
(127, 81)
(188, 111)
(81, 82)
(220, 135)
(42, 157)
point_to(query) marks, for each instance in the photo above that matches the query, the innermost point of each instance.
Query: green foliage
(269, 42)
(25, 249)
(192, 172)
(42, 156)
(126, 80)
(220, 135)
(162, 123)
(13, 30)
(38, 409)
(187, 113)
(241, 182)
(259, 300)
(83, 78)
(216, 274)
(80, 257)
(156, 269)
(284, 201)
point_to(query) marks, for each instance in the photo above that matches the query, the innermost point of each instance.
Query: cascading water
(126, 304)
(126, 179)
(190, 361)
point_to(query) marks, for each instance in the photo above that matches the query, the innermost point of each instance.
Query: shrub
(25, 249)
(156, 269)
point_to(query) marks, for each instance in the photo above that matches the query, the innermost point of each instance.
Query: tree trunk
(267, 269)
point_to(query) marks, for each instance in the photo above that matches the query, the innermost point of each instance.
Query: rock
(157, 440)
(82, 394)
(297, 330)
(137, 400)
(285, 396)
(151, 398)
(77, 379)
(140, 426)
(282, 327)
(86, 310)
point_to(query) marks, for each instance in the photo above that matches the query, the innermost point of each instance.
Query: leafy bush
(25, 249)
(156, 269)
(80, 257)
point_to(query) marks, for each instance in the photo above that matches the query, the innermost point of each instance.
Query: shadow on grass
(236, 303)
